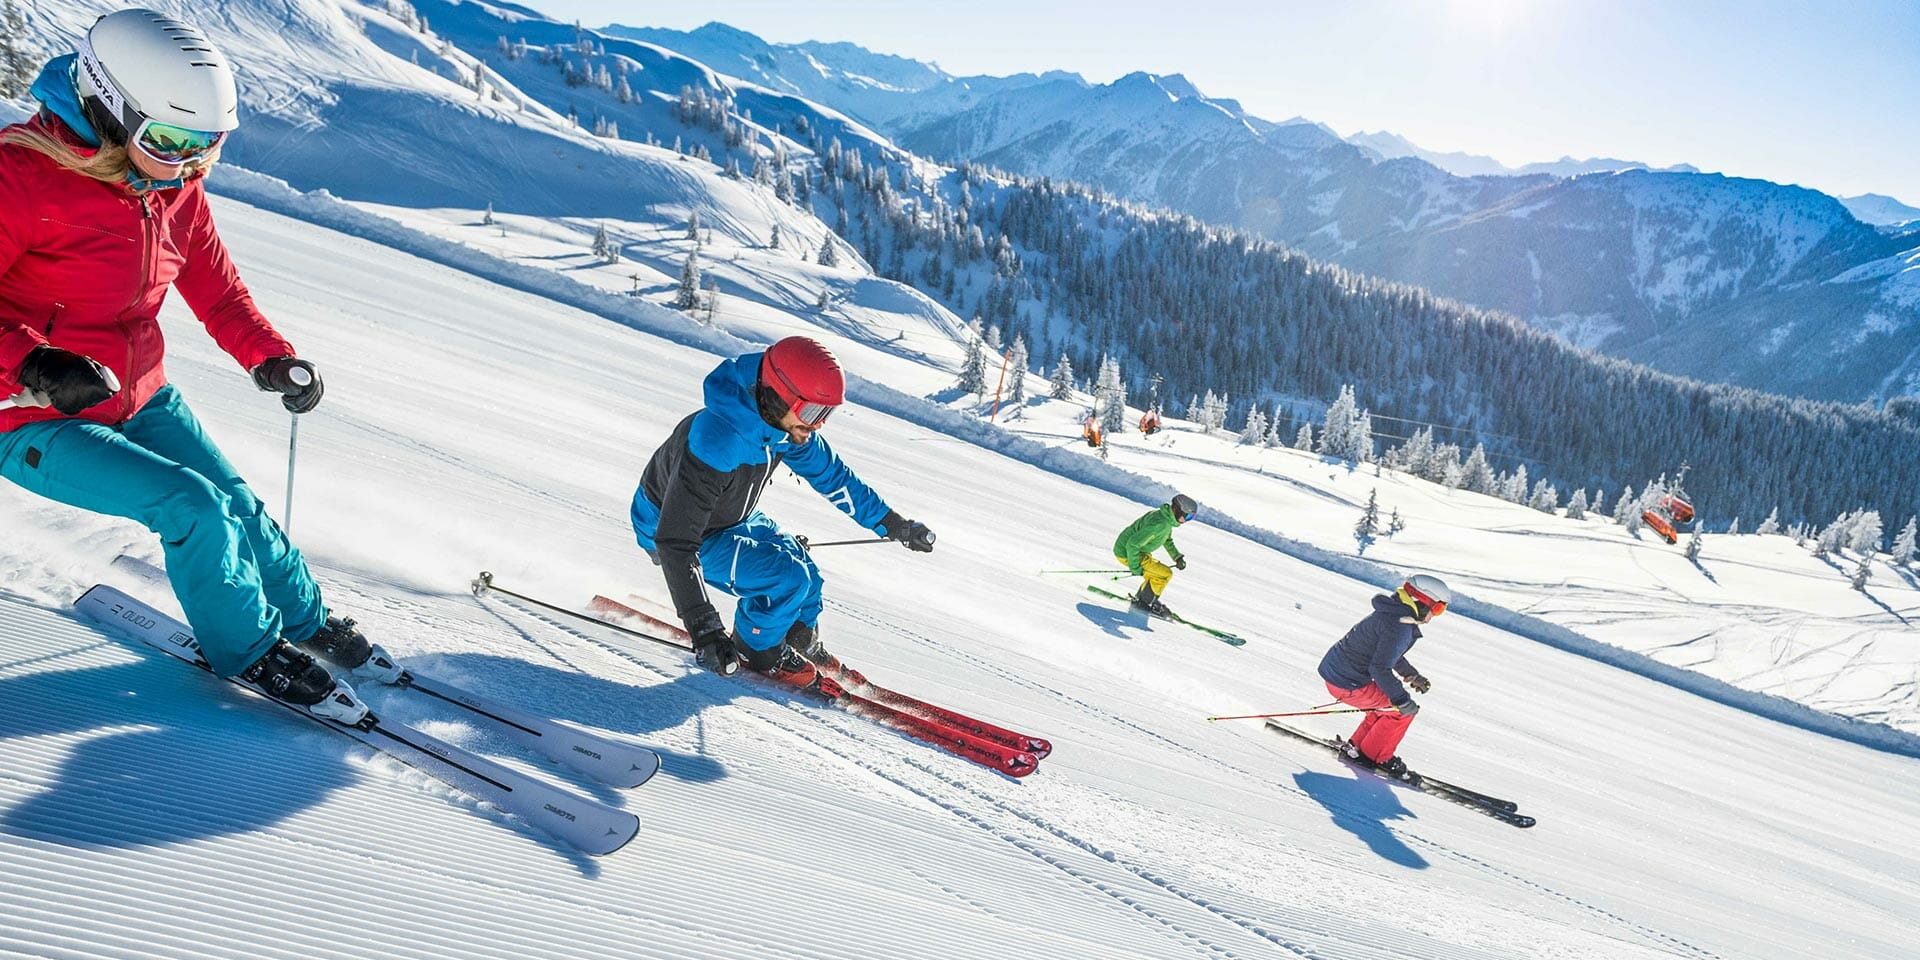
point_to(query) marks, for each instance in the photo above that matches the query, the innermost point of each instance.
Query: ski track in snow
(1252, 926)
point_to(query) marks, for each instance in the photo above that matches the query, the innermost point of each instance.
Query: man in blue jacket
(695, 512)
(1361, 669)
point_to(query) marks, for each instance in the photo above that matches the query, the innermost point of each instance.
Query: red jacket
(85, 265)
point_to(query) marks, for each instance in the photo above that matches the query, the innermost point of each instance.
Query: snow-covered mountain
(1462, 164)
(1881, 209)
(494, 389)
(1698, 274)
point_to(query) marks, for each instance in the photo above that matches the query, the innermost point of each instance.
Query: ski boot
(1396, 768)
(288, 675)
(339, 641)
(805, 640)
(1149, 602)
(785, 664)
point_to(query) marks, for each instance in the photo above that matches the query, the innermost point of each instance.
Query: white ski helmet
(1427, 594)
(143, 72)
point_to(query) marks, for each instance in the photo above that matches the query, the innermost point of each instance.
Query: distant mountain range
(1389, 146)
(1745, 281)
(1881, 209)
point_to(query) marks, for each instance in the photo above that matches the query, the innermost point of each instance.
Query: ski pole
(303, 378)
(808, 544)
(1083, 571)
(1304, 713)
(484, 583)
(293, 447)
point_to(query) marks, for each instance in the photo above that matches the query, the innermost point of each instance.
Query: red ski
(1038, 746)
(1008, 755)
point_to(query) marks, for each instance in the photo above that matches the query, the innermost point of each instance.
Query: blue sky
(1822, 94)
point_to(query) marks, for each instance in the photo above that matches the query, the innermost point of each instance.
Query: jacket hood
(1390, 605)
(55, 90)
(728, 391)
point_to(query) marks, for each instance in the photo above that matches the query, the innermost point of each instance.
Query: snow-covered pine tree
(1545, 498)
(1369, 521)
(1017, 371)
(973, 370)
(1360, 438)
(1110, 397)
(693, 226)
(1213, 411)
(773, 241)
(1903, 543)
(1255, 431)
(1336, 433)
(1694, 543)
(1862, 573)
(486, 219)
(1394, 523)
(1304, 439)
(688, 296)
(1771, 525)
(1416, 451)
(1863, 536)
(825, 301)
(829, 254)
(1577, 507)
(1060, 385)
(1623, 507)
(604, 246)
(1516, 491)
(1276, 425)
(1476, 474)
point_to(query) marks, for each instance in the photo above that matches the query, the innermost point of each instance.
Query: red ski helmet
(803, 373)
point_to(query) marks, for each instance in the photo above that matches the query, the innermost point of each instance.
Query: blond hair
(109, 164)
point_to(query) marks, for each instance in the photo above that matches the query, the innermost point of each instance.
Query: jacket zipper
(141, 283)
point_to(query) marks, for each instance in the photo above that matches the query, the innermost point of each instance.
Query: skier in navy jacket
(1361, 669)
(695, 512)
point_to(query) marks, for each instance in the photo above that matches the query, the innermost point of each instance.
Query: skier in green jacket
(1138, 541)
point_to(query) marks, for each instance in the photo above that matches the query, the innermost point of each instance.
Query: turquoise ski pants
(241, 583)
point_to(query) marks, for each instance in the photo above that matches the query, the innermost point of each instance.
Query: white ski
(588, 825)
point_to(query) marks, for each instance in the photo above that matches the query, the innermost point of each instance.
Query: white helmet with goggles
(1427, 594)
(156, 83)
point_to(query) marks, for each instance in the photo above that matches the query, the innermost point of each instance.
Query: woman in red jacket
(102, 207)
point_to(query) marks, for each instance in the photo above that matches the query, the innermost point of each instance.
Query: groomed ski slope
(147, 812)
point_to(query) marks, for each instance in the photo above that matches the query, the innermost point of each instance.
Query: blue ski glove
(1407, 709)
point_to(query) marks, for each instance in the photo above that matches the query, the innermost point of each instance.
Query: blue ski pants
(241, 584)
(777, 583)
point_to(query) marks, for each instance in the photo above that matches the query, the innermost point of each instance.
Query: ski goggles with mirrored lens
(170, 145)
(813, 414)
(1434, 607)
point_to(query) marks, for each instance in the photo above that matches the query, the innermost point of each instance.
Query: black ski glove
(913, 533)
(1407, 709)
(1419, 684)
(1180, 563)
(712, 644)
(294, 379)
(70, 381)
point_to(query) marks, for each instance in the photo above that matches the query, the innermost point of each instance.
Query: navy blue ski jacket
(1374, 650)
(710, 473)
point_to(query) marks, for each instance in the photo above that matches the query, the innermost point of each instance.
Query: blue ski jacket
(1374, 650)
(708, 476)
